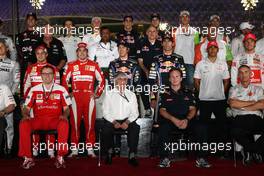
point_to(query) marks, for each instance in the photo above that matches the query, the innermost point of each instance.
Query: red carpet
(84, 166)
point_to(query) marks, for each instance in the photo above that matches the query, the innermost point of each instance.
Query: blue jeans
(189, 76)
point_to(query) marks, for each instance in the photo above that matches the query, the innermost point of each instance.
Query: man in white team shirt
(212, 80)
(260, 42)
(247, 103)
(215, 21)
(7, 106)
(186, 38)
(105, 51)
(250, 58)
(69, 40)
(237, 43)
(92, 38)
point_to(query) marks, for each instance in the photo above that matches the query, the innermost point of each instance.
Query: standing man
(212, 81)
(186, 37)
(237, 45)
(26, 43)
(129, 35)
(159, 70)
(105, 51)
(250, 58)
(50, 103)
(7, 106)
(56, 53)
(247, 103)
(155, 22)
(148, 48)
(224, 52)
(120, 115)
(69, 41)
(9, 43)
(125, 65)
(10, 76)
(215, 22)
(83, 73)
(33, 74)
(93, 38)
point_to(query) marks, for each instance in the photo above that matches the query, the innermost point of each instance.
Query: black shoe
(133, 162)
(108, 159)
(247, 158)
(257, 158)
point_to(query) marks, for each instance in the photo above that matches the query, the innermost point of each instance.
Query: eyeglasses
(47, 74)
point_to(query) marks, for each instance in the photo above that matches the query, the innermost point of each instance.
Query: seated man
(120, 110)
(47, 101)
(177, 109)
(247, 103)
(7, 105)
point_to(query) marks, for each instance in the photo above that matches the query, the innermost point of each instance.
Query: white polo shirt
(103, 54)
(70, 46)
(211, 76)
(251, 93)
(6, 97)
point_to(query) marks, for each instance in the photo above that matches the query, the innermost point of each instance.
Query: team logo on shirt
(55, 96)
(250, 93)
(34, 70)
(76, 67)
(39, 96)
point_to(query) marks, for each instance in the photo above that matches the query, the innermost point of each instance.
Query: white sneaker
(35, 152)
(74, 153)
(90, 152)
(60, 163)
(51, 154)
(28, 163)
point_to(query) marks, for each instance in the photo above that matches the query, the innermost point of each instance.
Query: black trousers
(244, 129)
(218, 127)
(2, 129)
(196, 130)
(108, 136)
(144, 94)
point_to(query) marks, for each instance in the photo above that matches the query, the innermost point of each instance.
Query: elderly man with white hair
(120, 110)
(94, 37)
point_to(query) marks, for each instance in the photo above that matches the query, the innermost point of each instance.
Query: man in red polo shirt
(47, 101)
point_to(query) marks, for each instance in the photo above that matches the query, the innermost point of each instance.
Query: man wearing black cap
(147, 50)
(9, 43)
(155, 21)
(129, 35)
(26, 43)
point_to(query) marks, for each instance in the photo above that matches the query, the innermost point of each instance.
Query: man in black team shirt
(26, 43)
(129, 35)
(147, 49)
(155, 21)
(56, 52)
